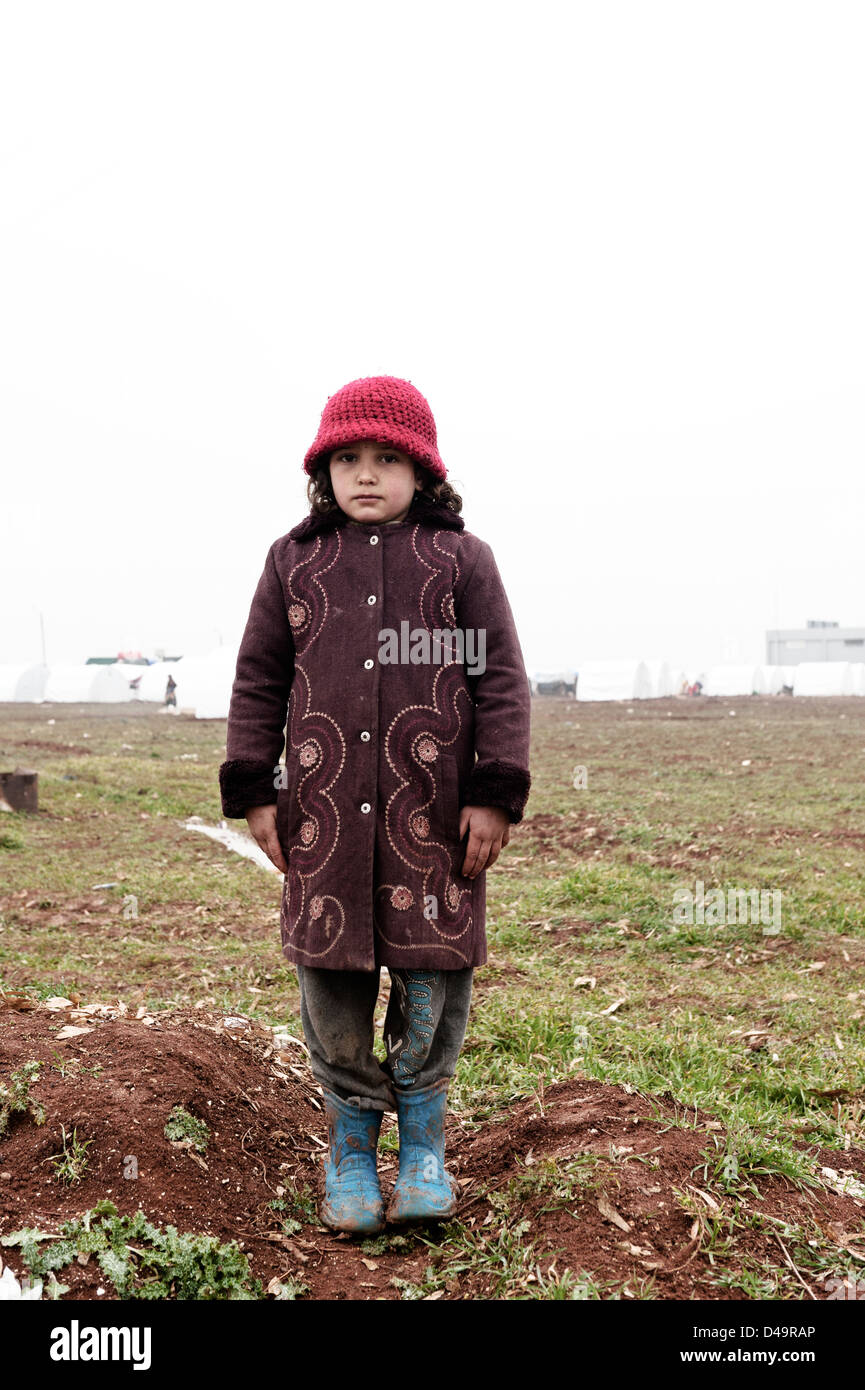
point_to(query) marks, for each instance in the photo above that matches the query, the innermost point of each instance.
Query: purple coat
(387, 736)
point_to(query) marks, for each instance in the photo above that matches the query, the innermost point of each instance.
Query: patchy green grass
(505, 1262)
(70, 1164)
(766, 1029)
(182, 921)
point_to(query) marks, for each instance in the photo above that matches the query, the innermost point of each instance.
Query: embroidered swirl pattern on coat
(436, 552)
(319, 744)
(412, 746)
(306, 599)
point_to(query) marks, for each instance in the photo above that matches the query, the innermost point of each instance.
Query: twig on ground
(255, 1158)
(805, 1286)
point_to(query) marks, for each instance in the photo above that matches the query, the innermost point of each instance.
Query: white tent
(777, 677)
(88, 684)
(823, 678)
(204, 682)
(23, 683)
(614, 680)
(735, 680)
(154, 679)
(661, 678)
(858, 677)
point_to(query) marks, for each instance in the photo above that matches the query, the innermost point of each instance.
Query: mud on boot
(425, 1190)
(352, 1195)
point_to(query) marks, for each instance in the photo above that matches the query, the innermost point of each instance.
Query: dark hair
(319, 489)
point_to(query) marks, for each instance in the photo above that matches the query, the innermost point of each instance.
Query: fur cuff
(244, 783)
(495, 783)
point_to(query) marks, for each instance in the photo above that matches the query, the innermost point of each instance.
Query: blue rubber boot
(425, 1190)
(352, 1196)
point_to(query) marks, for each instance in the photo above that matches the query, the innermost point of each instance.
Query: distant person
(170, 687)
(381, 820)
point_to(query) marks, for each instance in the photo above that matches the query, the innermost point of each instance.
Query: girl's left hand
(489, 828)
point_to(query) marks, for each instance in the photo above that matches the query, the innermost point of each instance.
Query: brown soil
(52, 745)
(267, 1138)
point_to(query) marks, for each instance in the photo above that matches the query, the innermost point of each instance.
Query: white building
(816, 641)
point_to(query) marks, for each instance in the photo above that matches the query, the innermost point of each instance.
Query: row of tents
(203, 683)
(646, 680)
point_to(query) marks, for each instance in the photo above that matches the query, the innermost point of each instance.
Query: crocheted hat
(384, 408)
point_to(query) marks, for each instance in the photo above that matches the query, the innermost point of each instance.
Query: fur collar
(422, 509)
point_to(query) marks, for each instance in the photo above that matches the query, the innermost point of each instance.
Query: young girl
(381, 651)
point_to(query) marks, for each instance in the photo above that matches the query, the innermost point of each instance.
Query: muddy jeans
(424, 1028)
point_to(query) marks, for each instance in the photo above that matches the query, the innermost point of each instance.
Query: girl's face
(372, 481)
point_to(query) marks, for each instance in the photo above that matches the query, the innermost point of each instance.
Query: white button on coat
(366, 807)
(369, 663)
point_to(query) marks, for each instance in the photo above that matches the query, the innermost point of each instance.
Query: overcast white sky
(618, 246)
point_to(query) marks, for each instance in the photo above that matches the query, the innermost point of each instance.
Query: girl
(381, 651)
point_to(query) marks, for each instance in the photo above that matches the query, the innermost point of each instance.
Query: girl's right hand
(262, 825)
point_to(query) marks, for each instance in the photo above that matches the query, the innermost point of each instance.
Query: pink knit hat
(384, 408)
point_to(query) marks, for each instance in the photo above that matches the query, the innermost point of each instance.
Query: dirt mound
(613, 1184)
(117, 1086)
(587, 1178)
